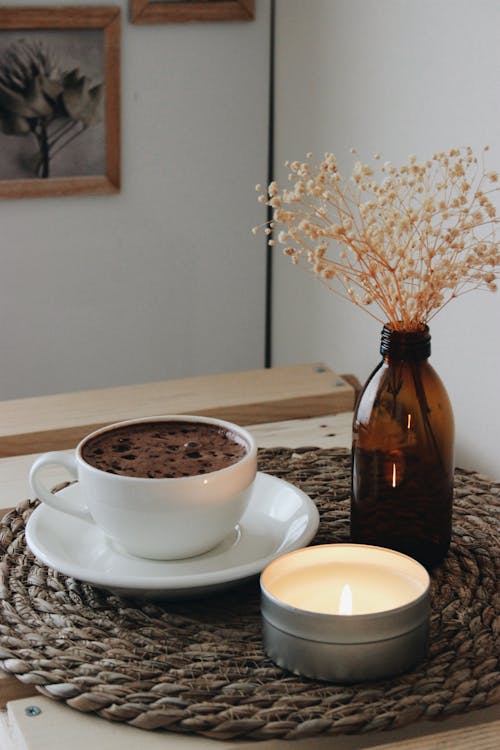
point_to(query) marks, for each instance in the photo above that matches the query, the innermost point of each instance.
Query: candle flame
(408, 424)
(345, 601)
(394, 475)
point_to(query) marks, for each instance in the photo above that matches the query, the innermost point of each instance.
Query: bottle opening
(405, 344)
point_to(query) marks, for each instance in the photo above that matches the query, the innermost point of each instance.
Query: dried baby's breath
(405, 240)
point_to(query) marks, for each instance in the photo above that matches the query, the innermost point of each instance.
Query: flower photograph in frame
(173, 11)
(59, 101)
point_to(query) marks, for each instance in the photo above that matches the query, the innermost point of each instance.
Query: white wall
(165, 279)
(399, 77)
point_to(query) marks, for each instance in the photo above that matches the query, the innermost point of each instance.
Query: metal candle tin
(386, 633)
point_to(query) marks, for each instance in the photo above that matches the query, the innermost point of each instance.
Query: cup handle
(60, 458)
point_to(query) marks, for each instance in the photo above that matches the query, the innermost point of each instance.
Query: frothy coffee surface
(164, 449)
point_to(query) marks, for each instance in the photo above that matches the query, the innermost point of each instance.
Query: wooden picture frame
(171, 11)
(59, 101)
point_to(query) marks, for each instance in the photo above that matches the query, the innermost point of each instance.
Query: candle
(345, 612)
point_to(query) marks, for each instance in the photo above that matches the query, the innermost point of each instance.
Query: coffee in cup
(166, 449)
(164, 487)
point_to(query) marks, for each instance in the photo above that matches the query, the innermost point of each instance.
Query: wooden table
(304, 405)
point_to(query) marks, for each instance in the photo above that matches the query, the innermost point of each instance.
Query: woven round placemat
(199, 667)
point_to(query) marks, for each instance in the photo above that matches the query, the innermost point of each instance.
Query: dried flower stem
(406, 244)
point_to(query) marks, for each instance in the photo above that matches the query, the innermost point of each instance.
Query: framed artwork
(173, 11)
(59, 101)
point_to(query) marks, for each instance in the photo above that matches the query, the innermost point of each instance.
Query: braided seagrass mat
(198, 666)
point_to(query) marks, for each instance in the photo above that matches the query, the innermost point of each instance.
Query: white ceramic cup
(158, 518)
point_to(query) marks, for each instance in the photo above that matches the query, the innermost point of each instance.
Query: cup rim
(249, 456)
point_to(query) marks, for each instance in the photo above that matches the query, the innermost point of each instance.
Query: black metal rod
(270, 177)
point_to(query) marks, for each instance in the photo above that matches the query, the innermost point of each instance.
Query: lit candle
(345, 603)
(345, 612)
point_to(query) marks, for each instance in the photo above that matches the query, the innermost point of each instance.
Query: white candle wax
(318, 588)
(312, 579)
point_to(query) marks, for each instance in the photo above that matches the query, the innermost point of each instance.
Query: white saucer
(278, 519)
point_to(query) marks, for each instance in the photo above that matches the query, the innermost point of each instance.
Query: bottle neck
(405, 345)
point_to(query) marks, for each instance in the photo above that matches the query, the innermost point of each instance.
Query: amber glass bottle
(402, 454)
